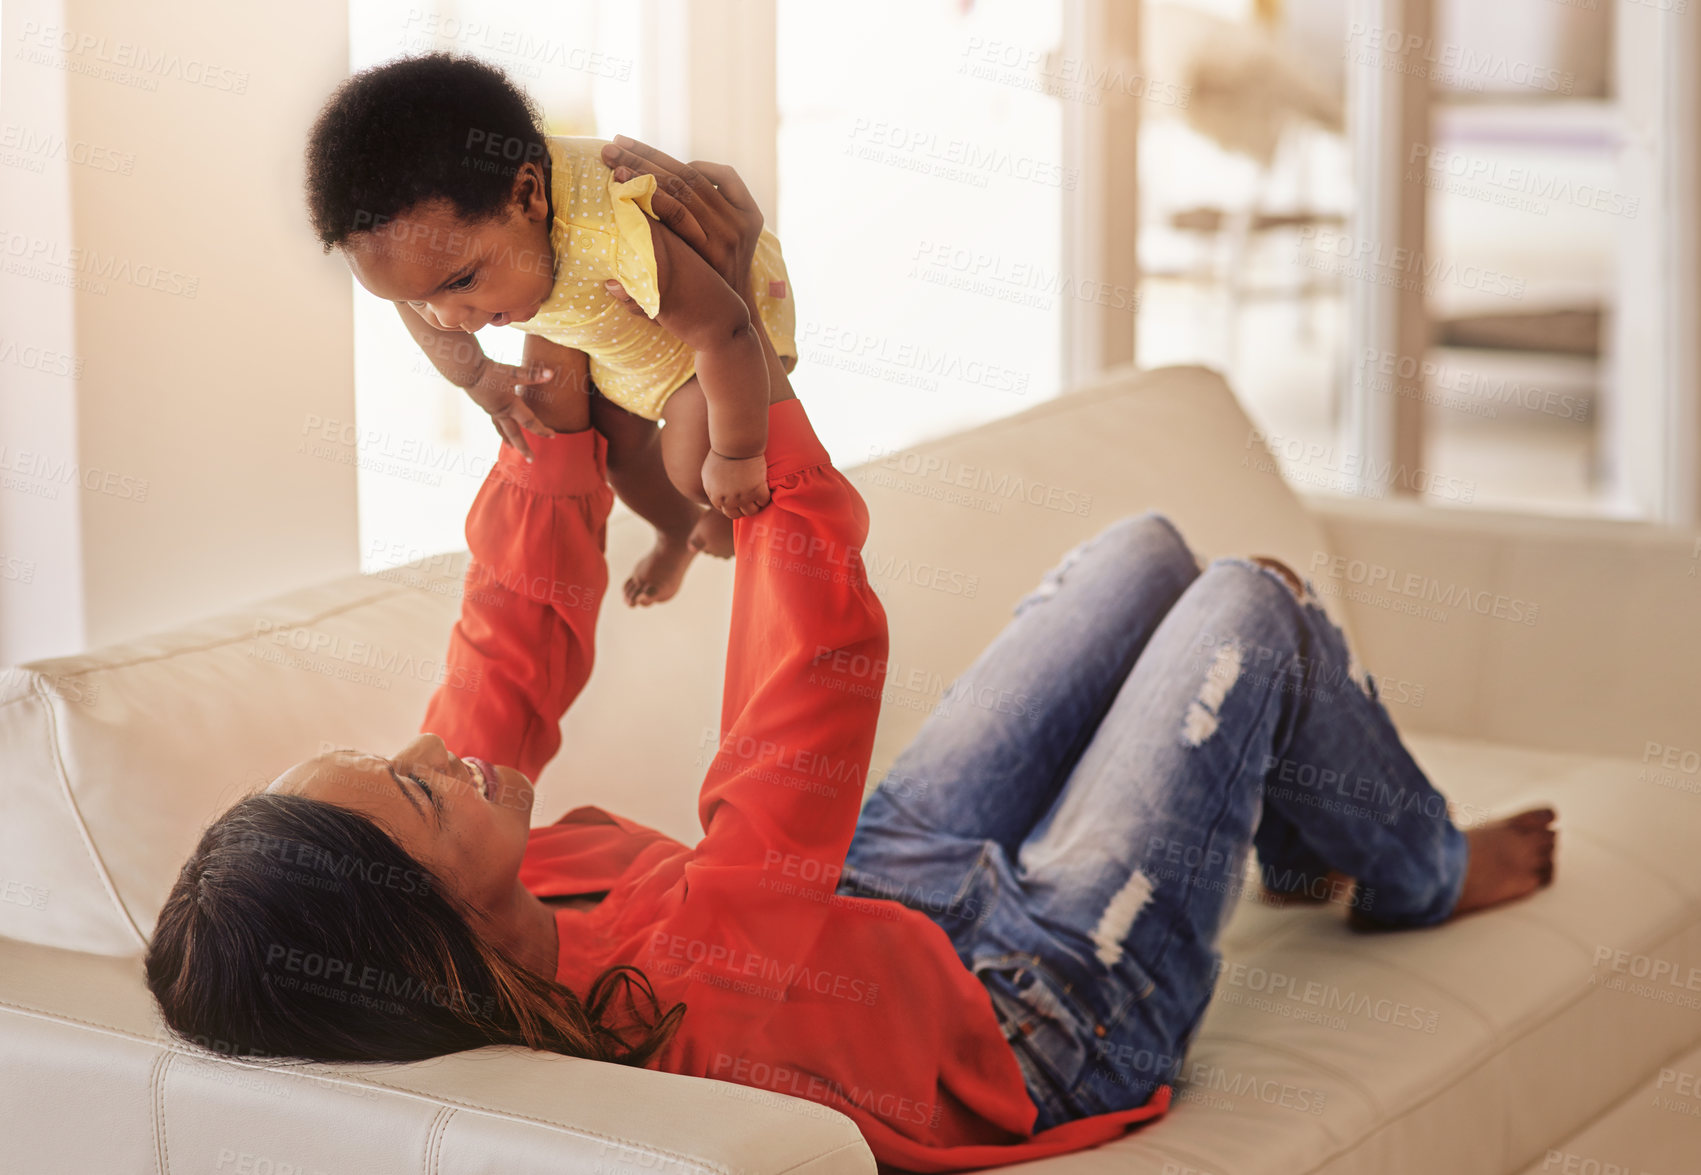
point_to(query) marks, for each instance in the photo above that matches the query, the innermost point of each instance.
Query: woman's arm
(525, 641)
(806, 668)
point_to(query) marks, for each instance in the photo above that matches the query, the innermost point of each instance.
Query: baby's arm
(496, 387)
(707, 315)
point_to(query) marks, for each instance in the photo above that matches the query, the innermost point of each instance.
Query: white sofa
(1487, 1046)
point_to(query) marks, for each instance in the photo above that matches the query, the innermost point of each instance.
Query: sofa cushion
(1475, 1047)
(117, 758)
(91, 1082)
(1655, 1129)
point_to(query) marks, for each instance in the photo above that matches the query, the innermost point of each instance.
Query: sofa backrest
(112, 762)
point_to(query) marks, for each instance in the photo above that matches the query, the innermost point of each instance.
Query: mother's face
(464, 819)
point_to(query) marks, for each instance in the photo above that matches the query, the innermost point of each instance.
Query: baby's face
(457, 274)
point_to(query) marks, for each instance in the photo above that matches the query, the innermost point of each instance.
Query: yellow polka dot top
(601, 232)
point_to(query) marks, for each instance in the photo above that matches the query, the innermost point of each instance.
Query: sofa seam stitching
(162, 1141)
(222, 642)
(815, 1158)
(102, 872)
(434, 1140)
(176, 1050)
(1505, 1045)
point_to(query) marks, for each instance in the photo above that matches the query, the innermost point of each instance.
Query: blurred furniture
(1253, 95)
(1474, 1048)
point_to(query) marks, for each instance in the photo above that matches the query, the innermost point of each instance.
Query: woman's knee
(1288, 574)
(1151, 535)
(1258, 597)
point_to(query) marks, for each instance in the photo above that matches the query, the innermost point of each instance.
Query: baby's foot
(658, 575)
(712, 535)
(1509, 859)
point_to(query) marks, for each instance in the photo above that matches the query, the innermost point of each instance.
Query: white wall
(178, 331)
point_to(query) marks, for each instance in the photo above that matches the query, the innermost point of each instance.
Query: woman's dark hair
(300, 929)
(433, 126)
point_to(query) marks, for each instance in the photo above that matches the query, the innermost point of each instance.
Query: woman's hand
(705, 203)
(736, 486)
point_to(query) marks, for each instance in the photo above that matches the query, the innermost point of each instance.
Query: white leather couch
(1486, 1046)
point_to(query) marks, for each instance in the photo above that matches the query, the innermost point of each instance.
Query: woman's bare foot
(712, 535)
(658, 575)
(1508, 859)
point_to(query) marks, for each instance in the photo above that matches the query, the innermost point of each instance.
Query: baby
(430, 174)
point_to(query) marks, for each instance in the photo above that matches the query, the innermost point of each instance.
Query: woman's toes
(1535, 818)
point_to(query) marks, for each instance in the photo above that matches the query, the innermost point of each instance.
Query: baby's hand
(737, 487)
(501, 391)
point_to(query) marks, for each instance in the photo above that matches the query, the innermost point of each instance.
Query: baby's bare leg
(685, 443)
(639, 476)
(685, 446)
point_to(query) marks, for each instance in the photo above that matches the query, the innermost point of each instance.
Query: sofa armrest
(90, 1081)
(1569, 634)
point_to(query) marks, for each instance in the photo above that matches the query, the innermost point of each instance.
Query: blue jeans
(1077, 811)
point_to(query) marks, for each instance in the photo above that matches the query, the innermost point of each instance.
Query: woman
(1060, 868)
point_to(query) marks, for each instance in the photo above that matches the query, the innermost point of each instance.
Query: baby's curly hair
(418, 128)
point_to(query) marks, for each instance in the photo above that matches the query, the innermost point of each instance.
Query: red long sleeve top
(858, 1004)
